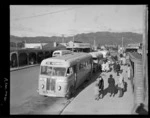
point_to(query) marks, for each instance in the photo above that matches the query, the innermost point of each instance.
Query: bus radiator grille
(50, 84)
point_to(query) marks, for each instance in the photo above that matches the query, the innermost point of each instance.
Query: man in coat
(118, 68)
(111, 86)
(101, 86)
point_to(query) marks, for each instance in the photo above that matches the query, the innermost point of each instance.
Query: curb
(68, 102)
(24, 67)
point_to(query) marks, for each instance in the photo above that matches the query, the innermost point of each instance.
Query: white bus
(61, 52)
(97, 60)
(61, 76)
(104, 52)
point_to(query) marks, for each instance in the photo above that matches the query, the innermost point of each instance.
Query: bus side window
(80, 66)
(84, 65)
(70, 71)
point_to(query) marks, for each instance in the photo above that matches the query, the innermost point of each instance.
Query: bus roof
(62, 50)
(96, 54)
(68, 59)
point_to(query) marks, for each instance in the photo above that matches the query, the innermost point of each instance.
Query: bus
(97, 60)
(61, 52)
(104, 52)
(61, 76)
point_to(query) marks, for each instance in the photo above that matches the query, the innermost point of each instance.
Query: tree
(12, 44)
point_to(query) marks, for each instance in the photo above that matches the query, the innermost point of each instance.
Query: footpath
(23, 67)
(85, 102)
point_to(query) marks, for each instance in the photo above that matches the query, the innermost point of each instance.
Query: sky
(68, 20)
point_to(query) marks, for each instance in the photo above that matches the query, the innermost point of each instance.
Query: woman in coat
(101, 86)
(111, 86)
(120, 85)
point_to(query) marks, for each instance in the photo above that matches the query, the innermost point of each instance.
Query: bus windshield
(53, 71)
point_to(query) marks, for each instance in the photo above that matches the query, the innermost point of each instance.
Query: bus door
(82, 72)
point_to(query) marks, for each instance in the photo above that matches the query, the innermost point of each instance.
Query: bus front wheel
(70, 92)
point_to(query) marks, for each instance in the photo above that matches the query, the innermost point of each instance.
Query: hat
(110, 75)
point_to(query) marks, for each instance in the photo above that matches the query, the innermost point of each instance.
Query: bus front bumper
(45, 93)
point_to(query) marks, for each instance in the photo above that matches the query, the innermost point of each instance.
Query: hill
(99, 37)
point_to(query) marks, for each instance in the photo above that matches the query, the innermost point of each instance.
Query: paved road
(23, 96)
(84, 103)
(25, 100)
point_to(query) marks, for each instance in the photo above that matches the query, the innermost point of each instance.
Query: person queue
(108, 65)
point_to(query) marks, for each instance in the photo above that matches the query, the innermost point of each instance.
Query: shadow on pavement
(86, 84)
(113, 90)
(125, 87)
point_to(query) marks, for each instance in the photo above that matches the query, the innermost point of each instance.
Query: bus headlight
(59, 88)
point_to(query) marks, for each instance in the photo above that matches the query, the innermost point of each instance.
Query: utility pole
(25, 44)
(122, 42)
(62, 38)
(94, 44)
(73, 44)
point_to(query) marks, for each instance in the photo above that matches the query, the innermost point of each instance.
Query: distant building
(103, 47)
(34, 45)
(134, 45)
(77, 46)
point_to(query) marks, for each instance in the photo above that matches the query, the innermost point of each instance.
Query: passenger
(49, 70)
(124, 54)
(140, 110)
(121, 60)
(114, 66)
(101, 86)
(58, 73)
(124, 61)
(128, 70)
(96, 91)
(111, 86)
(117, 68)
(120, 85)
(127, 59)
(103, 67)
(100, 67)
(107, 67)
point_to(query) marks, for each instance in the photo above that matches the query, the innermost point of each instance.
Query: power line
(22, 18)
